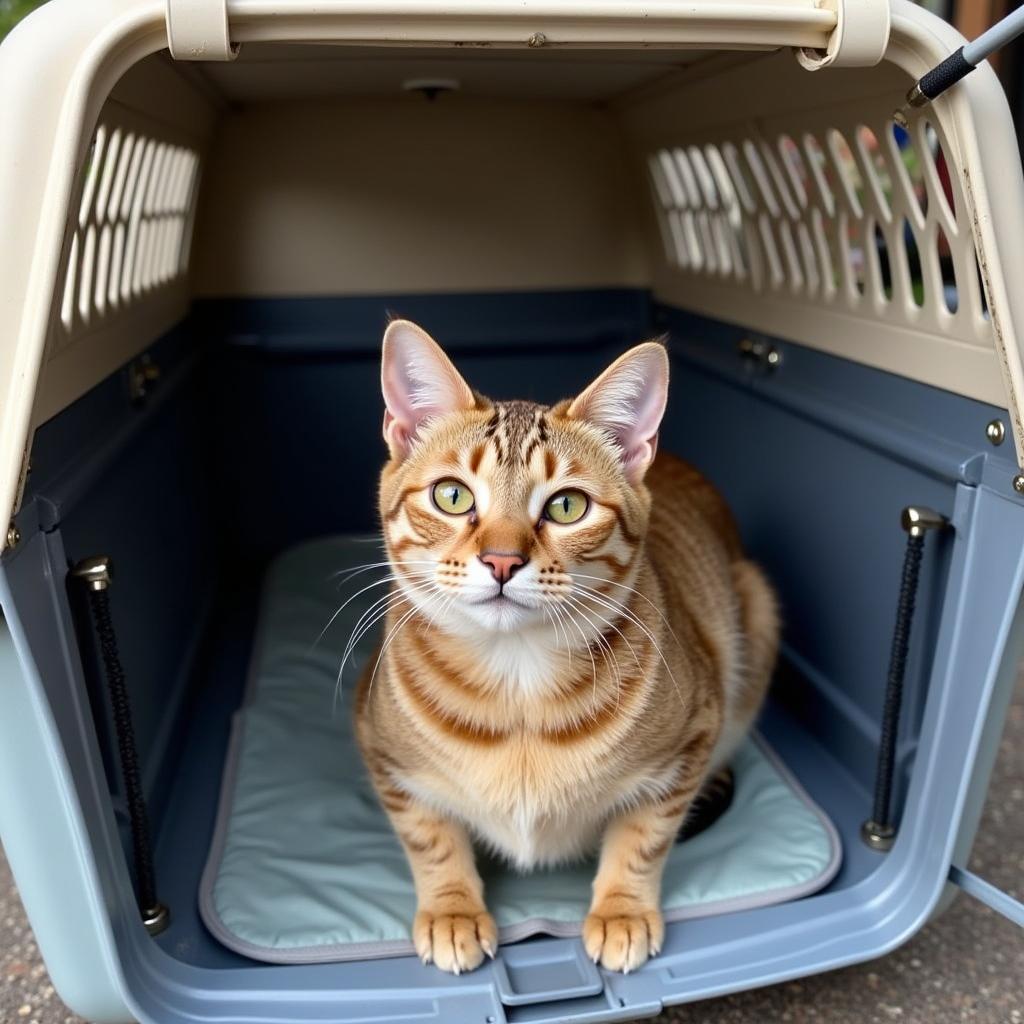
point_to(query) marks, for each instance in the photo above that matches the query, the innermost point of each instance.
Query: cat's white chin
(468, 615)
(500, 613)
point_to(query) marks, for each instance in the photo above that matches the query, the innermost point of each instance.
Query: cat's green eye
(567, 507)
(453, 497)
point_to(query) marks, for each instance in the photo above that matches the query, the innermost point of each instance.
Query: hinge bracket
(198, 30)
(859, 40)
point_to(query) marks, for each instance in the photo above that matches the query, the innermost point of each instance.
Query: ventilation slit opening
(947, 270)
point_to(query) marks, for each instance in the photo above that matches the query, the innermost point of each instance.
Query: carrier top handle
(878, 831)
(97, 573)
(961, 63)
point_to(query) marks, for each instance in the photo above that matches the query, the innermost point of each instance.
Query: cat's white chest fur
(528, 663)
(530, 824)
(531, 840)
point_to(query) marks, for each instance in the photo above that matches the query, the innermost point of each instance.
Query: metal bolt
(143, 374)
(156, 918)
(877, 836)
(13, 535)
(996, 432)
(96, 572)
(759, 352)
(1018, 483)
(537, 39)
(917, 520)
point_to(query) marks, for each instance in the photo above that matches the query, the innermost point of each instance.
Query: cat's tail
(713, 800)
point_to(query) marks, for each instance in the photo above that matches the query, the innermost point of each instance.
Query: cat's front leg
(452, 927)
(624, 926)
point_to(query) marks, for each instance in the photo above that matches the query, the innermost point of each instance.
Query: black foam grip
(894, 685)
(948, 73)
(131, 769)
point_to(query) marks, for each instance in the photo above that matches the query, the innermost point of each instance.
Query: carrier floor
(217, 693)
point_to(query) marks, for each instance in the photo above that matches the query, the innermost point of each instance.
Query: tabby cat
(574, 643)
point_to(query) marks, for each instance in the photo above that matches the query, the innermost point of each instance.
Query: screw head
(13, 535)
(537, 39)
(996, 432)
(1018, 483)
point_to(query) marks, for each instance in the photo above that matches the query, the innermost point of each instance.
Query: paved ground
(966, 966)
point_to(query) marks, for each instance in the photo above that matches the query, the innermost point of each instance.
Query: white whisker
(393, 600)
(571, 619)
(389, 639)
(598, 598)
(372, 614)
(390, 578)
(377, 611)
(603, 643)
(632, 590)
(555, 614)
(604, 648)
(632, 650)
(355, 570)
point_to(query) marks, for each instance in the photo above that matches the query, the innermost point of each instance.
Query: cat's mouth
(500, 598)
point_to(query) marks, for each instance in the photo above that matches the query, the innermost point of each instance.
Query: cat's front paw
(456, 942)
(622, 940)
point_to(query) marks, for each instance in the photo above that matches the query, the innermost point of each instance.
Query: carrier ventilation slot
(857, 219)
(131, 235)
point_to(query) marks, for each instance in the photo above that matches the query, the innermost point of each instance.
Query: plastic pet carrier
(209, 210)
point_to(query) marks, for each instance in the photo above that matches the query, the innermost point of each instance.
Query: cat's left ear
(627, 402)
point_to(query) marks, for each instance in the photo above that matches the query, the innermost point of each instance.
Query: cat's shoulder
(677, 488)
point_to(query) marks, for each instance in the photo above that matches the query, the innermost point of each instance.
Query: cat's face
(501, 516)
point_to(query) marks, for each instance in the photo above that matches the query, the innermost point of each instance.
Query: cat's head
(497, 514)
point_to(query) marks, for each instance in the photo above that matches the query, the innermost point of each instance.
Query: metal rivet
(773, 357)
(13, 535)
(1018, 483)
(537, 39)
(996, 432)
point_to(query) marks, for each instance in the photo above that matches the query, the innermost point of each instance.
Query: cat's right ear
(419, 383)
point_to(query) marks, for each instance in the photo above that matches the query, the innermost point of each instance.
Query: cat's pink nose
(503, 565)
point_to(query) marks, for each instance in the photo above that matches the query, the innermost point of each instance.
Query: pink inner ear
(418, 382)
(648, 410)
(637, 458)
(627, 402)
(395, 433)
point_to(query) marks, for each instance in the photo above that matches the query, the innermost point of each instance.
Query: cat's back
(693, 549)
(687, 509)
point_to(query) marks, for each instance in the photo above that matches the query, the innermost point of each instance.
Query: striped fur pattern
(579, 701)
